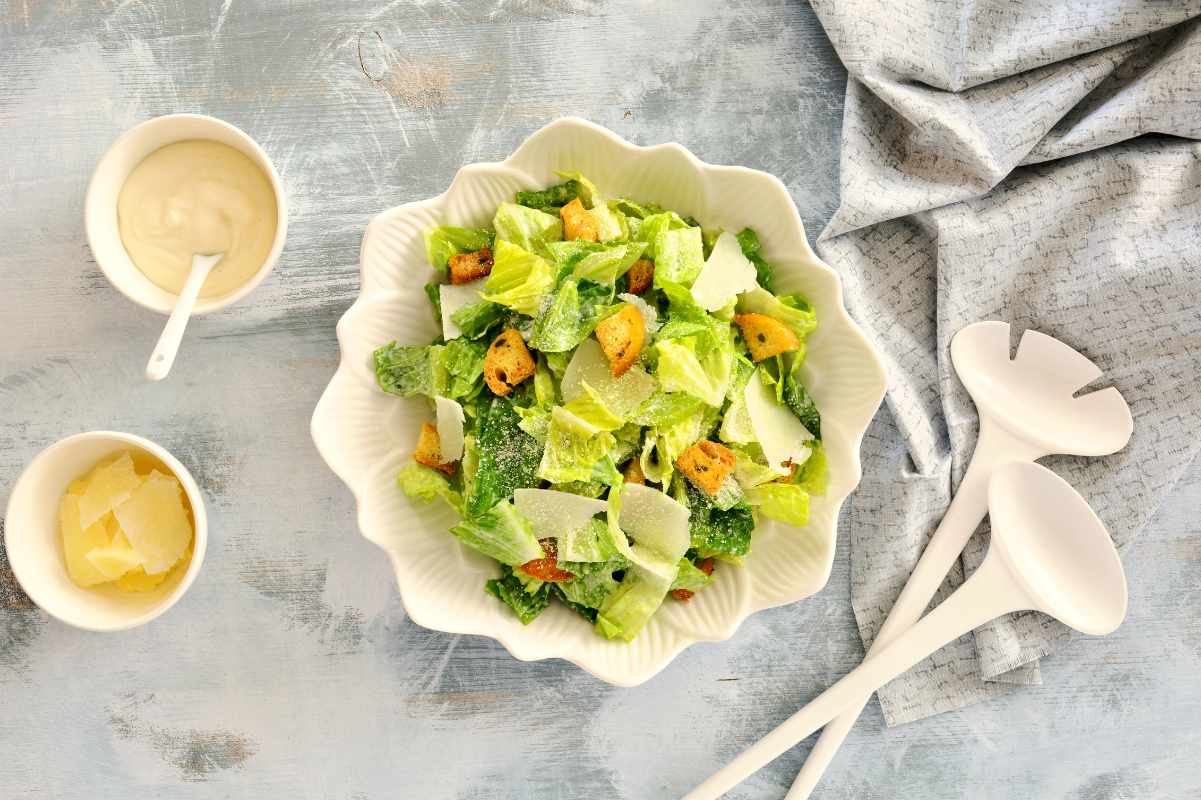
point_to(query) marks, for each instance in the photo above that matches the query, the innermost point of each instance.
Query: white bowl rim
(203, 305)
(199, 524)
(852, 330)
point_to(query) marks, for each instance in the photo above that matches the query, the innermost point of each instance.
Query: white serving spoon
(1028, 409)
(168, 342)
(1049, 552)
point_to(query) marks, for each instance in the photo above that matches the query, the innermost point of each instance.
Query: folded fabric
(1028, 162)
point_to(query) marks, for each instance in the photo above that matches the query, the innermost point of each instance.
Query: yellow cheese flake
(108, 486)
(155, 522)
(79, 541)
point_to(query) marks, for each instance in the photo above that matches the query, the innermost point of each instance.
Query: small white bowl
(100, 206)
(33, 541)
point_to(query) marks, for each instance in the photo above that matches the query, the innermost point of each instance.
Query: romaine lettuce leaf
(717, 532)
(814, 475)
(690, 577)
(793, 310)
(475, 319)
(446, 240)
(736, 423)
(630, 606)
(750, 471)
(786, 502)
(590, 543)
(500, 533)
(663, 409)
(511, 591)
(608, 222)
(594, 580)
(526, 228)
(572, 315)
(669, 441)
(551, 198)
(798, 399)
(706, 378)
(406, 371)
(679, 256)
(573, 447)
(433, 293)
(520, 280)
(588, 406)
(748, 240)
(425, 484)
(463, 361)
(507, 457)
(607, 265)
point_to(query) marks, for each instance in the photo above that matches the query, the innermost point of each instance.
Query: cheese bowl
(366, 436)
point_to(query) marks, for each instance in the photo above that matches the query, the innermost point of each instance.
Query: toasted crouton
(429, 450)
(766, 336)
(705, 565)
(578, 222)
(633, 472)
(507, 363)
(466, 267)
(621, 337)
(707, 464)
(640, 275)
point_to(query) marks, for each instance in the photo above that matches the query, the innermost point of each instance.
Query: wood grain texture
(290, 668)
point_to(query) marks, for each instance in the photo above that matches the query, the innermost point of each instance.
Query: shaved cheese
(453, 298)
(450, 429)
(155, 522)
(727, 273)
(553, 514)
(780, 433)
(620, 395)
(654, 520)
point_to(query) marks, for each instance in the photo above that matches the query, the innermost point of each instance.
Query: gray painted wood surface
(290, 669)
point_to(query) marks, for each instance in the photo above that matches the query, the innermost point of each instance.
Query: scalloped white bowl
(366, 436)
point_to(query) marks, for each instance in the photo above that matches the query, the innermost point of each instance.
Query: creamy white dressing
(197, 196)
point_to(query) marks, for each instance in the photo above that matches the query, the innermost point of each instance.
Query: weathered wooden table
(290, 669)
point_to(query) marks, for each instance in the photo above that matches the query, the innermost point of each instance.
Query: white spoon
(1048, 552)
(168, 342)
(1028, 409)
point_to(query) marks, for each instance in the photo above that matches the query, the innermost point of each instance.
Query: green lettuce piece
(446, 240)
(594, 581)
(736, 425)
(729, 494)
(786, 502)
(501, 533)
(584, 611)
(749, 469)
(706, 378)
(629, 439)
(690, 577)
(475, 319)
(511, 591)
(629, 607)
(433, 293)
(652, 225)
(663, 409)
(545, 386)
(425, 484)
(679, 256)
(573, 447)
(552, 198)
(520, 280)
(748, 240)
(507, 457)
(718, 532)
(798, 399)
(591, 543)
(589, 488)
(814, 474)
(793, 310)
(665, 443)
(535, 420)
(639, 211)
(406, 370)
(463, 361)
(526, 228)
(588, 407)
(572, 315)
(607, 265)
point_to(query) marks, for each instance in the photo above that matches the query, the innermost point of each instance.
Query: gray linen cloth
(1028, 161)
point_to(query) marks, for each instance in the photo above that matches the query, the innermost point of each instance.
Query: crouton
(633, 472)
(621, 337)
(707, 464)
(429, 450)
(640, 275)
(705, 565)
(507, 363)
(766, 336)
(466, 267)
(547, 567)
(578, 222)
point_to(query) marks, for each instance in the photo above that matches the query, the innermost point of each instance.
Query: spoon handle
(990, 592)
(168, 341)
(994, 447)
